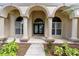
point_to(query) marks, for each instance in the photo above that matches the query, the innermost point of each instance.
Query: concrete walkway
(36, 48)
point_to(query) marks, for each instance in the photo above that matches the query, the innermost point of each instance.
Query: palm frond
(70, 9)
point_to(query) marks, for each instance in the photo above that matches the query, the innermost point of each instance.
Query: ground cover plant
(61, 50)
(9, 49)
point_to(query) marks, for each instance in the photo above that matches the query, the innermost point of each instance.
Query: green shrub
(72, 52)
(63, 50)
(9, 49)
(66, 50)
(49, 45)
(48, 49)
(58, 50)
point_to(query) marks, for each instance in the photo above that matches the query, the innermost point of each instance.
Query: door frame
(38, 24)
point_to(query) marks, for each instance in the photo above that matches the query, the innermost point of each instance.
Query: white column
(50, 28)
(25, 28)
(74, 29)
(2, 28)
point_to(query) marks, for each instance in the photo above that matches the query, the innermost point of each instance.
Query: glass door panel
(36, 28)
(41, 28)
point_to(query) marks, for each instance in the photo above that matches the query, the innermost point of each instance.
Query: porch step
(36, 41)
(10, 39)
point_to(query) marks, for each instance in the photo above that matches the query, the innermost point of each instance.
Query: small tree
(71, 8)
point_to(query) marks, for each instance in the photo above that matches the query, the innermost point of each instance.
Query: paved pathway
(36, 48)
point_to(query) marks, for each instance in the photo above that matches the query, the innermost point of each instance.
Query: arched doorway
(38, 26)
(37, 21)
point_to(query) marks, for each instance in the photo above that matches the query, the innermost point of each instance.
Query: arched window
(56, 26)
(19, 25)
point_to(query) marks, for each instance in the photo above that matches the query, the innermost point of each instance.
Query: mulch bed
(51, 53)
(22, 49)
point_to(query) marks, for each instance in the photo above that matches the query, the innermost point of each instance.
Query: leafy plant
(58, 50)
(70, 9)
(71, 51)
(9, 49)
(49, 47)
(63, 50)
(66, 50)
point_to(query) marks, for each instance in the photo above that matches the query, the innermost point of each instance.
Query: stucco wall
(66, 21)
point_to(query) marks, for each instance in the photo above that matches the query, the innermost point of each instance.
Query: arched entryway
(12, 14)
(37, 21)
(61, 23)
(38, 26)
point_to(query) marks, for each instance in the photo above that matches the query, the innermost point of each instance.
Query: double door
(38, 28)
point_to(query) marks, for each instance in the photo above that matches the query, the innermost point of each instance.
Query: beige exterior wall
(10, 13)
